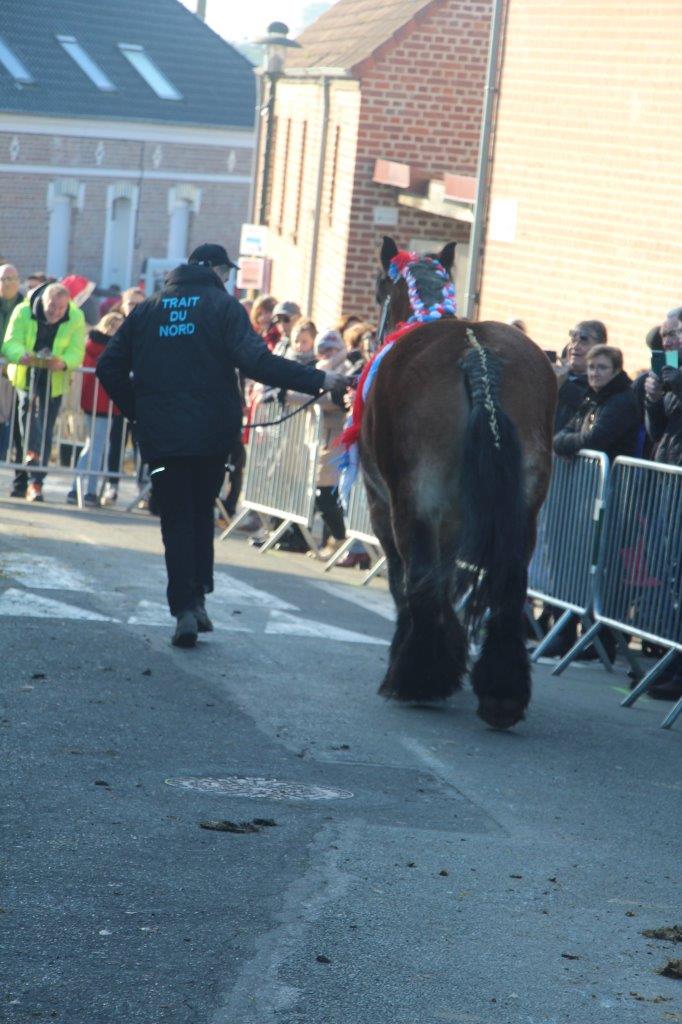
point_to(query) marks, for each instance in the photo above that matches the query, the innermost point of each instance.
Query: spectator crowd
(50, 328)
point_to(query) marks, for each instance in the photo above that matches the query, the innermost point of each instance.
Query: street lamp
(276, 44)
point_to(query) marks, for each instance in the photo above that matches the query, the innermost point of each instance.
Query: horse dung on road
(455, 448)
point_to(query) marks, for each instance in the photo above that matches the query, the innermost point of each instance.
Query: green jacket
(69, 345)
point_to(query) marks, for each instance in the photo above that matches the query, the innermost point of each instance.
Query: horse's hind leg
(396, 583)
(381, 522)
(429, 650)
(501, 676)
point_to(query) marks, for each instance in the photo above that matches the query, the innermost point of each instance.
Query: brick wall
(294, 193)
(418, 101)
(23, 210)
(421, 105)
(585, 154)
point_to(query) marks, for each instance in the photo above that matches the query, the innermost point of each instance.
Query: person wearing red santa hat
(79, 288)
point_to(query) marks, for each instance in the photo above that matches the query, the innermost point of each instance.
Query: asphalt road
(422, 868)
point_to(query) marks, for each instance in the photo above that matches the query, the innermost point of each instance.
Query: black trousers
(185, 490)
(328, 505)
(236, 464)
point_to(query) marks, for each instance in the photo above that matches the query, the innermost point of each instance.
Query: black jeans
(38, 412)
(185, 490)
(115, 446)
(328, 505)
(237, 461)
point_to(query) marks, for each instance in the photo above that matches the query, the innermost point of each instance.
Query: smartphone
(551, 354)
(658, 360)
(672, 359)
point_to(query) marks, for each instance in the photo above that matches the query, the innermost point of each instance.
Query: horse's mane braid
(429, 285)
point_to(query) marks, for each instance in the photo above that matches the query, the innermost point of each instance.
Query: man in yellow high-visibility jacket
(45, 340)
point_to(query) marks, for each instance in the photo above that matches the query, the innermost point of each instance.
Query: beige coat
(333, 419)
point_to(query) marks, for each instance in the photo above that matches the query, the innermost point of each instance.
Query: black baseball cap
(211, 255)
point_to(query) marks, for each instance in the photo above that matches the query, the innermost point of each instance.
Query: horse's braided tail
(493, 535)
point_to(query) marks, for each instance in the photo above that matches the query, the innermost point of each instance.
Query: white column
(59, 233)
(119, 234)
(178, 231)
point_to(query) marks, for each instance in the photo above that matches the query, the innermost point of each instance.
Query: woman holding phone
(663, 394)
(663, 423)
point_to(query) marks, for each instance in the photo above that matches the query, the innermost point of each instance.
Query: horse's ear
(446, 257)
(388, 250)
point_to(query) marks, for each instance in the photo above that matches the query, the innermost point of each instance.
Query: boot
(669, 689)
(185, 634)
(331, 547)
(204, 624)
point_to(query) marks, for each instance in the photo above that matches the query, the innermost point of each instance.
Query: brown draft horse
(455, 449)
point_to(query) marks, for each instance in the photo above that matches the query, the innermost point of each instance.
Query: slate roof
(216, 82)
(351, 31)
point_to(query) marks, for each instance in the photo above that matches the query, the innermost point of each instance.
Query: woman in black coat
(609, 418)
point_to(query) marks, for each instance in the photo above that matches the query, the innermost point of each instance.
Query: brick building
(585, 202)
(126, 132)
(375, 130)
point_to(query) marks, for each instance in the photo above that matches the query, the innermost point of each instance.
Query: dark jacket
(6, 309)
(183, 347)
(570, 397)
(663, 422)
(607, 421)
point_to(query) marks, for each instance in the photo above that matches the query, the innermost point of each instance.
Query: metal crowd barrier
(45, 435)
(359, 528)
(281, 470)
(561, 570)
(639, 575)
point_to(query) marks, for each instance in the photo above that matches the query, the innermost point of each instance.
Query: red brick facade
(155, 167)
(586, 204)
(418, 100)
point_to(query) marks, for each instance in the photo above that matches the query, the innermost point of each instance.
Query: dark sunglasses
(281, 319)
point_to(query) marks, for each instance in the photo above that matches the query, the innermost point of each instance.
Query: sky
(246, 21)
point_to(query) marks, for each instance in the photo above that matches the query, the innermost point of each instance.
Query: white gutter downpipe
(472, 296)
(312, 273)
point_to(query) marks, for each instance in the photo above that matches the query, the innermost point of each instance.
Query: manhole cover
(270, 789)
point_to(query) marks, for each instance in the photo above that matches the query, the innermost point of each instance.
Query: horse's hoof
(386, 689)
(501, 714)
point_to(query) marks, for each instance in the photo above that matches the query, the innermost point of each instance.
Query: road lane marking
(370, 600)
(42, 572)
(22, 603)
(260, 789)
(283, 624)
(230, 590)
(153, 613)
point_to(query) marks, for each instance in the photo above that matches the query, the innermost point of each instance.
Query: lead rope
(283, 419)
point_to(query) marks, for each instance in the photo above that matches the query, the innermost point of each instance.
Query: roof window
(13, 65)
(148, 70)
(86, 63)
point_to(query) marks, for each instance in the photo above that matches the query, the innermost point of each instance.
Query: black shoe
(72, 498)
(590, 652)
(557, 649)
(185, 634)
(18, 492)
(204, 624)
(91, 501)
(295, 546)
(669, 689)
